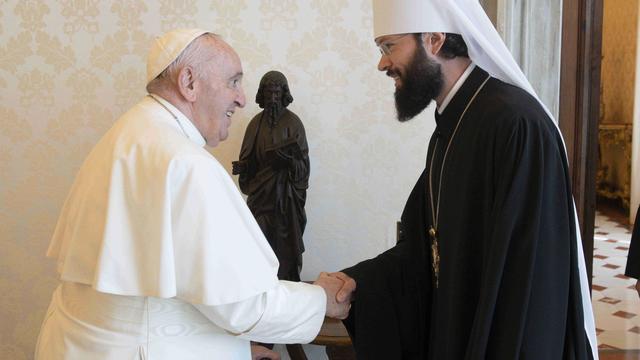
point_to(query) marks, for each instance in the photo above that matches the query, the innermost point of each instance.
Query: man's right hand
(347, 292)
(332, 286)
(239, 167)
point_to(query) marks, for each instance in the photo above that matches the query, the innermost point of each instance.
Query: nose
(241, 100)
(384, 63)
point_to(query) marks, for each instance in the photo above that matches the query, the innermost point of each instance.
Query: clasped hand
(239, 167)
(339, 288)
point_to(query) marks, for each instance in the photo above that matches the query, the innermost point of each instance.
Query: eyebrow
(389, 38)
(382, 39)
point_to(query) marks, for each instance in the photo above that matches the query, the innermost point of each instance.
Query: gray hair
(193, 55)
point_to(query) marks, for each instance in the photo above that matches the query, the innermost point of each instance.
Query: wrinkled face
(219, 94)
(418, 78)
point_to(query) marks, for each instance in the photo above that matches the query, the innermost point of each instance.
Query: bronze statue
(274, 173)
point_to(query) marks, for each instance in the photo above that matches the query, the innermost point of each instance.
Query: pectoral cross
(435, 253)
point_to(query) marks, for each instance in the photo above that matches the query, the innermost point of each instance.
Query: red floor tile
(598, 287)
(624, 314)
(609, 300)
(606, 347)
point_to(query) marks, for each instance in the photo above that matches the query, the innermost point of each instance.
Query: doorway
(616, 303)
(580, 28)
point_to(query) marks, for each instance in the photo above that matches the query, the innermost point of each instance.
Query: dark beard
(420, 85)
(273, 112)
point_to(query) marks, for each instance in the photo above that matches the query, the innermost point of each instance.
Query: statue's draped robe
(276, 195)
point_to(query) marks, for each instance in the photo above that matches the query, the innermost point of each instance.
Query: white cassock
(160, 258)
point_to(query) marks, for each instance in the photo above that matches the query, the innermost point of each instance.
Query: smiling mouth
(396, 81)
(395, 77)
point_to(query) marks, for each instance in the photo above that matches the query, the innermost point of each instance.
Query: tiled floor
(619, 354)
(615, 301)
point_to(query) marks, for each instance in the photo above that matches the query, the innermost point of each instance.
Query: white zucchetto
(167, 48)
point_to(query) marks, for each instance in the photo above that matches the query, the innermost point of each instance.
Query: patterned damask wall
(619, 41)
(69, 68)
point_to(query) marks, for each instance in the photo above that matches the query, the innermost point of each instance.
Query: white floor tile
(620, 339)
(615, 329)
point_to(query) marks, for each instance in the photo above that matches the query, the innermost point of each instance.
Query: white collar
(456, 87)
(184, 124)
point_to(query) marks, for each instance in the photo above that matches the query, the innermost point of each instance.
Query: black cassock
(508, 284)
(633, 258)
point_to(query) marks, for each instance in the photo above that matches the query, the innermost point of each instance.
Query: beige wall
(491, 7)
(618, 93)
(619, 40)
(69, 68)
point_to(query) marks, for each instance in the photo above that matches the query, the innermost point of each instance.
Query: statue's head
(273, 91)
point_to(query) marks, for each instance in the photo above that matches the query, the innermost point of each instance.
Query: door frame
(580, 107)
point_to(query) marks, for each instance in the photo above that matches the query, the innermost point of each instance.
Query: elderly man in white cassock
(158, 255)
(490, 265)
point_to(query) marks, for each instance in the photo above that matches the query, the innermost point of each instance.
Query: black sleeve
(388, 318)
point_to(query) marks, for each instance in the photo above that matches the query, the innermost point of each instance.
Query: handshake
(339, 288)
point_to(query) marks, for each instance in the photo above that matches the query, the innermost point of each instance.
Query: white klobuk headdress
(487, 50)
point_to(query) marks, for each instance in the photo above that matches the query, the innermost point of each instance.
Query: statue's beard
(421, 84)
(273, 111)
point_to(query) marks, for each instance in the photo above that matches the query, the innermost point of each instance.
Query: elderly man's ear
(187, 84)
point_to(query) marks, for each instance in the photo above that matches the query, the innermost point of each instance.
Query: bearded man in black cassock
(274, 173)
(489, 265)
